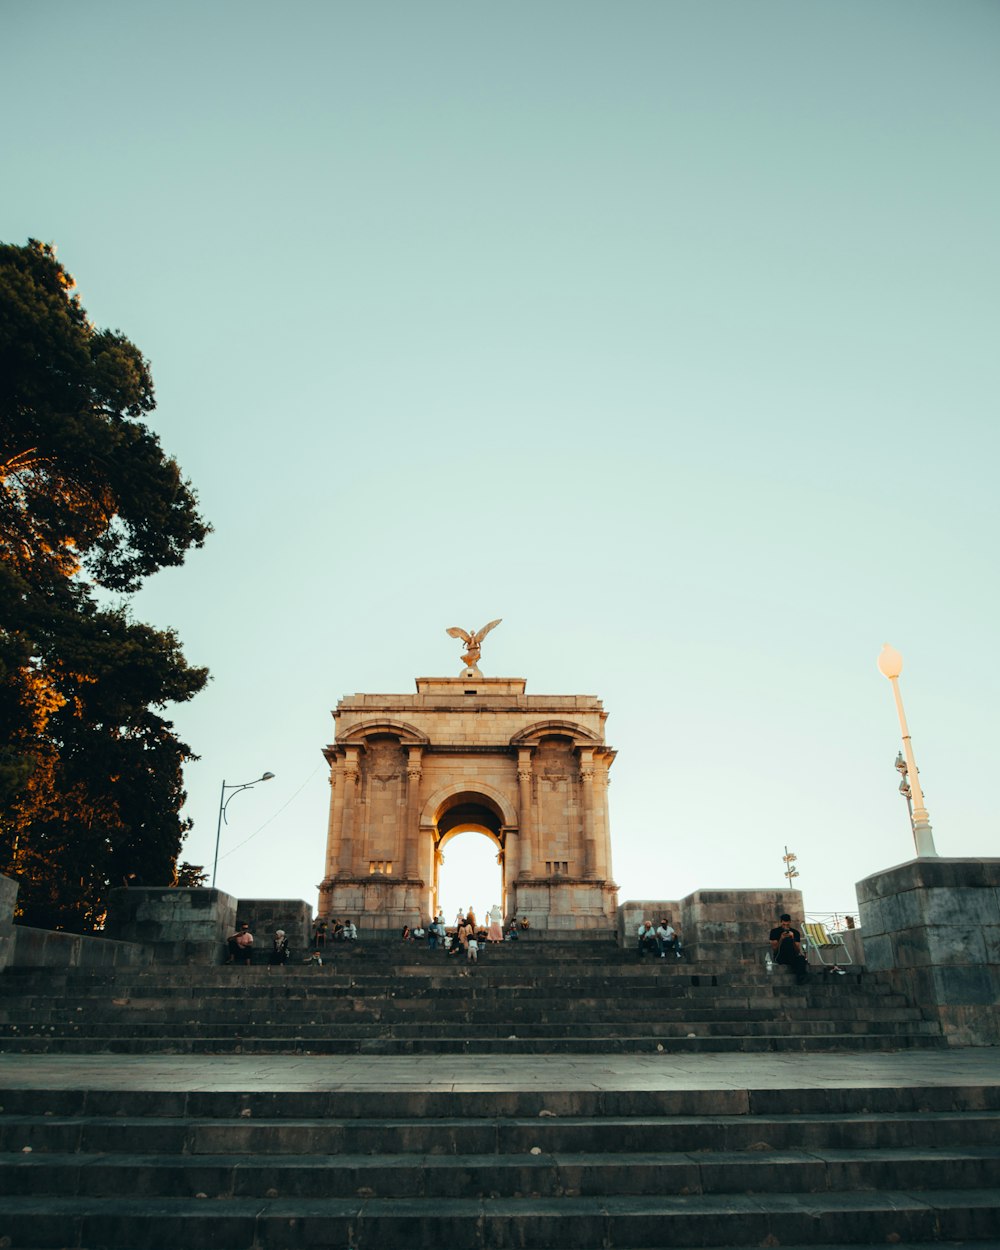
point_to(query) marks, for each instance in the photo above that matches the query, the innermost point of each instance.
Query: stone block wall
(185, 925)
(724, 926)
(266, 915)
(635, 911)
(933, 925)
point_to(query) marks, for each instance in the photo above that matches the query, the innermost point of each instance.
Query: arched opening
(469, 875)
(469, 858)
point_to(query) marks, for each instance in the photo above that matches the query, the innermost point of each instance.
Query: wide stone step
(552, 1173)
(583, 1223)
(169, 981)
(755, 1137)
(469, 999)
(470, 1028)
(822, 1104)
(621, 1044)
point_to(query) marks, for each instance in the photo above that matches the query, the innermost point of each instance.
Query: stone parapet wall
(933, 925)
(723, 926)
(24, 947)
(47, 948)
(184, 925)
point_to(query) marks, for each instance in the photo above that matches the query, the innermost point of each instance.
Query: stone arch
(438, 800)
(531, 735)
(408, 735)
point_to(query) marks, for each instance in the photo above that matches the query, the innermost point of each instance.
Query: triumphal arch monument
(409, 772)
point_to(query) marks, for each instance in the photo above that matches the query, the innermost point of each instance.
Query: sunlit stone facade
(410, 772)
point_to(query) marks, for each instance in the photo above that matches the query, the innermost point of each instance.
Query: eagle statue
(473, 649)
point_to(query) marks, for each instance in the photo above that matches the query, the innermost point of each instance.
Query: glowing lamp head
(890, 662)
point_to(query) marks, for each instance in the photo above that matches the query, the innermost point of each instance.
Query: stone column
(524, 813)
(511, 860)
(587, 797)
(335, 818)
(350, 802)
(413, 774)
(601, 838)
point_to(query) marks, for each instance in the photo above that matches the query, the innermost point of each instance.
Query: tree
(191, 876)
(91, 781)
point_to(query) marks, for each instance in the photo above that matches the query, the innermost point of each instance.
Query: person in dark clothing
(280, 951)
(786, 948)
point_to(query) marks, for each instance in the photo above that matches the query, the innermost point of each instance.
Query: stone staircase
(591, 1170)
(145, 1168)
(528, 998)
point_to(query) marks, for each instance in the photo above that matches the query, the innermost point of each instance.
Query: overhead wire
(274, 816)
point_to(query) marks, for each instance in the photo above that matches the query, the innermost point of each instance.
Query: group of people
(240, 945)
(333, 931)
(467, 936)
(662, 940)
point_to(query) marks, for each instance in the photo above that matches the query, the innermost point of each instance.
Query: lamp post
(223, 804)
(890, 665)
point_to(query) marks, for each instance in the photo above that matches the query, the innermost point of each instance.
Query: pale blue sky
(665, 331)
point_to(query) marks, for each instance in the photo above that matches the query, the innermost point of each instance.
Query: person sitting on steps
(786, 948)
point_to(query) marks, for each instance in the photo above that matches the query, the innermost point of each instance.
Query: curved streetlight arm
(223, 804)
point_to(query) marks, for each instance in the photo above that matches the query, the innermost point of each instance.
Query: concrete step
(466, 1137)
(624, 1168)
(820, 1103)
(468, 1028)
(467, 1175)
(617, 1044)
(581, 1223)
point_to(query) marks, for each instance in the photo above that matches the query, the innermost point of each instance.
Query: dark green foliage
(90, 774)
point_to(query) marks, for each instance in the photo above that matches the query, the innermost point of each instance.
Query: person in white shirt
(666, 938)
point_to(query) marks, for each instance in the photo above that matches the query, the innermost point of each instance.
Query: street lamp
(890, 664)
(223, 804)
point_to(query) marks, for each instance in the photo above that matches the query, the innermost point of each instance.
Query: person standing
(495, 932)
(786, 948)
